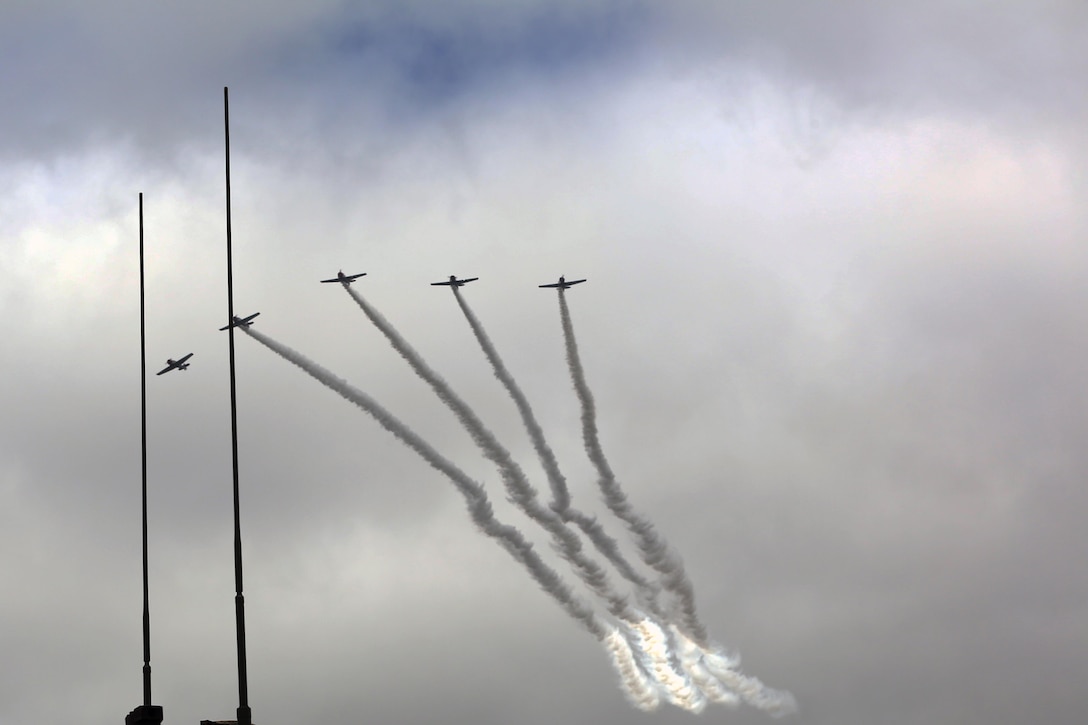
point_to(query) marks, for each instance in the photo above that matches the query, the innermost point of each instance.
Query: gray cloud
(147, 76)
(833, 329)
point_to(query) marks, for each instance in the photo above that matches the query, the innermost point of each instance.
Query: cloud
(911, 58)
(147, 76)
(833, 327)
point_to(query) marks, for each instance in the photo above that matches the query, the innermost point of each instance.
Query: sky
(834, 330)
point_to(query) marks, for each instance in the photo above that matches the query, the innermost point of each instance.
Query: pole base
(145, 715)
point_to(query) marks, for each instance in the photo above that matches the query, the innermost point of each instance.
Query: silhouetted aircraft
(454, 282)
(344, 278)
(563, 283)
(172, 364)
(240, 322)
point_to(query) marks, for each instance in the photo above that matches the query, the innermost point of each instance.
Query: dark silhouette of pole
(244, 713)
(146, 714)
(143, 442)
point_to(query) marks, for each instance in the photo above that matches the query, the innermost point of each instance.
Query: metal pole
(244, 713)
(143, 440)
(146, 714)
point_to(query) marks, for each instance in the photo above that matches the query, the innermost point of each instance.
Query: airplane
(454, 282)
(172, 364)
(344, 278)
(240, 321)
(563, 283)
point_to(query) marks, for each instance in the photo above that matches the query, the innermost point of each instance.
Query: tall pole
(244, 714)
(143, 441)
(146, 714)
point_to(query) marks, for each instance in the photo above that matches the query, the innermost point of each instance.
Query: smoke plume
(656, 657)
(655, 551)
(521, 492)
(640, 691)
(475, 498)
(604, 543)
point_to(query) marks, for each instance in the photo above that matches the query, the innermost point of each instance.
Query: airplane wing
(344, 278)
(563, 284)
(439, 284)
(170, 365)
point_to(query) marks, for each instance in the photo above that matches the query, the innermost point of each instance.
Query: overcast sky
(835, 327)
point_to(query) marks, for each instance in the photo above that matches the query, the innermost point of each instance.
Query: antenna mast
(146, 714)
(245, 715)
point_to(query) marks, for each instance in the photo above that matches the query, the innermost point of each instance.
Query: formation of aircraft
(240, 321)
(563, 283)
(178, 364)
(344, 278)
(454, 282)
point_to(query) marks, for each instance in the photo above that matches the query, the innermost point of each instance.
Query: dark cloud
(433, 62)
(149, 76)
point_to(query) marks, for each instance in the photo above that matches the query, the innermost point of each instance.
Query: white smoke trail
(662, 664)
(715, 672)
(475, 497)
(483, 438)
(521, 492)
(657, 555)
(560, 492)
(638, 688)
(611, 551)
(655, 551)
(751, 690)
(640, 691)
(691, 659)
